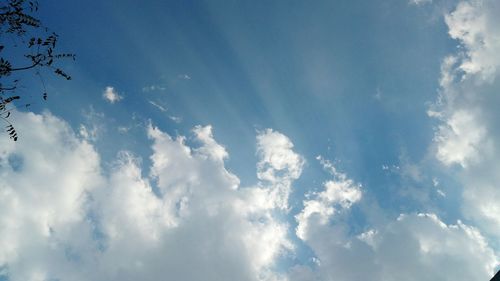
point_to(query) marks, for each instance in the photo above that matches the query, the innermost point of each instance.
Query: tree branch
(8, 89)
(26, 67)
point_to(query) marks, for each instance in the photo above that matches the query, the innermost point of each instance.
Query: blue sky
(339, 75)
(260, 140)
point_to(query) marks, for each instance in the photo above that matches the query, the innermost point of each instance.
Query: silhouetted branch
(17, 21)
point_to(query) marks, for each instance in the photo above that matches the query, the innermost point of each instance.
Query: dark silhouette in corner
(26, 47)
(496, 277)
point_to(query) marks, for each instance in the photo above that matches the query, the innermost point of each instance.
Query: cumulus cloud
(279, 165)
(64, 218)
(111, 95)
(188, 218)
(411, 247)
(475, 25)
(44, 182)
(467, 112)
(337, 195)
(461, 139)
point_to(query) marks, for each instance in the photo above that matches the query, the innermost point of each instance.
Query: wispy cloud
(184, 76)
(153, 88)
(420, 2)
(160, 107)
(176, 119)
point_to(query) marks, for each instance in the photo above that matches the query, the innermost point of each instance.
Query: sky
(340, 140)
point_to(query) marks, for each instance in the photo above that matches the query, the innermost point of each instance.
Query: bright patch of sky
(260, 140)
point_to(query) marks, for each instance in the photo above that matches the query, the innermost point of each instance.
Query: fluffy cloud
(412, 247)
(44, 182)
(111, 95)
(64, 218)
(461, 139)
(279, 165)
(339, 194)
(467, 110)
(186, 217)
(475, 25)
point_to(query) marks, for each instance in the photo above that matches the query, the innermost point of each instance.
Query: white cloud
(93, 126)
(64, 218)
(279, 165)
(88, 134)
(184, 76)
(337, 196)
(475, 25)
(420, 2)
(43, 198)
(461, 139)
(160, 107)
(441, 193)
(111, 95)
(202, 219)
(412, 247)
(152, 88)
(481, 197)
(467, 110)
(123, 129)
(210, 147)
(176, 119)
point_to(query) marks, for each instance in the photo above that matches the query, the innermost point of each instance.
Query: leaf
(12, 132)
(59, 72)
(5, 67)
(10, 99)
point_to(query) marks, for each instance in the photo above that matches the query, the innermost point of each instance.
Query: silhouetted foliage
(25, 46)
